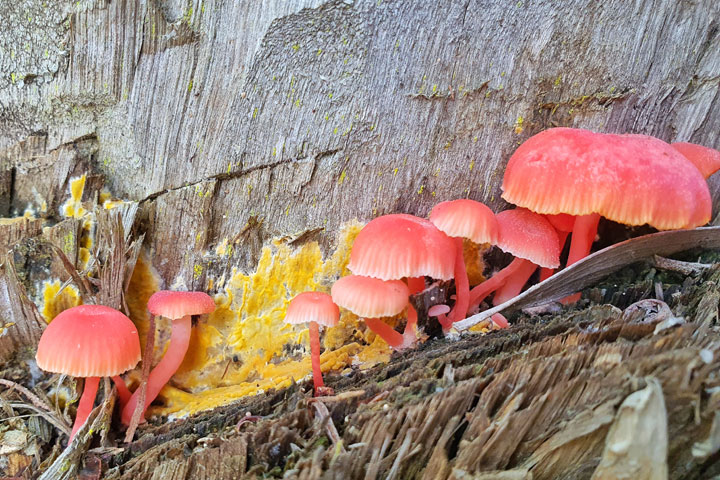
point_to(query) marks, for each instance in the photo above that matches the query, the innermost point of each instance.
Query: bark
(294, 117)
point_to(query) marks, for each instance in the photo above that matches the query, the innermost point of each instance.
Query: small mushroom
(89, 341)
(371, 299)
(315, 309)
(178, 307)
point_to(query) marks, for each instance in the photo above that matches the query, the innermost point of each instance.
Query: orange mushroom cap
(370, 297)
(707, 160)
(399, 245)
(89, 341)
(312, 307)
(467, 219)
(174, 305)
(527, 235)
(631, 179)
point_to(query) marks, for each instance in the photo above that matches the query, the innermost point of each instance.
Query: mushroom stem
(462, 288)
(385, 331)
(416, 284)
(409, 334)
(583, 236)
(481, 291)
(546, 273)
(315, 355)
(514, 283)
(87, 400)
(122, 390)
(159, 376)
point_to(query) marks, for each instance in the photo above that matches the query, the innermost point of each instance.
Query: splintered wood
(589, 394)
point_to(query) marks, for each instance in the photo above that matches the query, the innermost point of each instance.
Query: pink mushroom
(463, 219)
(399, 246)
(89, 341)
(371, 299)
(316, 309)
(531, 239)
(178, 307)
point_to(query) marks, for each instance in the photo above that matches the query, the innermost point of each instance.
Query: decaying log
(569, 396)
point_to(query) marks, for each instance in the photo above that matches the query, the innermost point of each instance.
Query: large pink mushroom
(89, 341)
(630, 179)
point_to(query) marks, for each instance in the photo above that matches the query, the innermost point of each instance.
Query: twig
(30, 396)
(324, 416)
(339, 397)
(146, 361)
(685, 268)
(49, 416)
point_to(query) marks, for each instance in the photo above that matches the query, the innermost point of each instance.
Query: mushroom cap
(562, 222)
(370, 297)
(89, 341)
(631, 179)
(399, 245)
(707, 160)
(312, 307)
(528, 235)
(467, 219)
(174, 305)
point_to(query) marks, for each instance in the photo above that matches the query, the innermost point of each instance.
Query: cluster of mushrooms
(94, 341)
(562, 181)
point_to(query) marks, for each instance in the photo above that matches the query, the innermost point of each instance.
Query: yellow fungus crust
(55, 301)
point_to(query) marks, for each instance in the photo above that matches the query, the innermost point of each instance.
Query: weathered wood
(306, 114)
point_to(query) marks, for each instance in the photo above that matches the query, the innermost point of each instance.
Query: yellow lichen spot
(395, 170)
(342, 177)
(421, 189)
(197, 271)
(298, 103)
(319, 52)
(330, 95)
(229, 168)
(296, 47)
(432, 193)
(255, 112)
(274, 151)
(519, 125)
(558, 80)
(56, 301)
(472, 164)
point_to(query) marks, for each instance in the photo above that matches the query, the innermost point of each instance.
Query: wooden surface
(307, 114)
